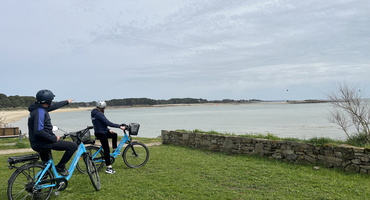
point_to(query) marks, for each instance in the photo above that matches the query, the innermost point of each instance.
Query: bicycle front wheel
(98, 158)
(92, 172)
(135, 155)
(21, 183)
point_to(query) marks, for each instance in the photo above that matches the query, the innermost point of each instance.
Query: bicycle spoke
(21, 183)
(135, 155)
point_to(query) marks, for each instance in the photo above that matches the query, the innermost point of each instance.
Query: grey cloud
(217, 47)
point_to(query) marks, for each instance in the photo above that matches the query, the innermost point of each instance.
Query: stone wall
(344, 157)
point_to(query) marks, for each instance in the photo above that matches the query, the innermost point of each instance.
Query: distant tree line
(152, 102)
(9, 102)
(15, 101)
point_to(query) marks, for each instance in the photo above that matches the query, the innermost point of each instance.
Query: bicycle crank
(61, 184)
(112, 159)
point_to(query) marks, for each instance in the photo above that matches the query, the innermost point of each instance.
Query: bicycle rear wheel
(98, 158)
(92, 172)
(21, 183)
(135, 155)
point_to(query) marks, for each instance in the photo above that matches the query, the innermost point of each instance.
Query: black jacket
(100, 122)
(40, 129)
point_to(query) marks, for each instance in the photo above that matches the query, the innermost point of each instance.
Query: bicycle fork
(133, 150)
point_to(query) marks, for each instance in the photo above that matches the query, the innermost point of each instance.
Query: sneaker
(62, 171)
(110, 170)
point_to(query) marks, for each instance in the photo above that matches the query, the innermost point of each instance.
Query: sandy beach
(16, 115)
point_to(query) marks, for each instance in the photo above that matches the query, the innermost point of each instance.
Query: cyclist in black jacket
(40, 130)
(102, 132)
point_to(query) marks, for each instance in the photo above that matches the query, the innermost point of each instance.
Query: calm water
(284, 120)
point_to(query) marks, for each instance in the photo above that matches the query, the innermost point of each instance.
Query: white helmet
(101, 104)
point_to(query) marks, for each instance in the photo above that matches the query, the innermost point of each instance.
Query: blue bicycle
(135, 154)
(37, 180)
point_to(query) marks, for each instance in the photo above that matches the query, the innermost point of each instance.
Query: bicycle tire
(92, 172)
(98, 159)
(21, 182)
(135, 155)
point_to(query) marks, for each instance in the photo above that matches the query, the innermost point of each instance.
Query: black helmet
(45, 96)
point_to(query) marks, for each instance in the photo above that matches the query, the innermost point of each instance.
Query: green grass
(8, 140)
(14, 143)
(175, 172)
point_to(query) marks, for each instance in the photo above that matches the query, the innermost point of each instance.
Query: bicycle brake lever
(64, 136)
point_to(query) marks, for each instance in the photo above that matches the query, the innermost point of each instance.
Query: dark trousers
(60, 145)
(103, 137)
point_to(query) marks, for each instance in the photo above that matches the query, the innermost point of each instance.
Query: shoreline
(11, 116)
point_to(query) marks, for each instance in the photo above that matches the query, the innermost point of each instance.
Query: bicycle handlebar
(66, 135)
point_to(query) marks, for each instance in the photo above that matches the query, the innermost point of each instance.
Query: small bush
(318, 141)
(358, 139)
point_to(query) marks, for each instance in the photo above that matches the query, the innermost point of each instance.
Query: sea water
(302, 121)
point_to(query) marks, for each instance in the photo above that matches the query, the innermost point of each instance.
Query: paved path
(14, 151)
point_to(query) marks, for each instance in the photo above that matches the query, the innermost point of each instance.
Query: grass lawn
(182, 173)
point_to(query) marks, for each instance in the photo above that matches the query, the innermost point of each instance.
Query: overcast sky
(237, 49)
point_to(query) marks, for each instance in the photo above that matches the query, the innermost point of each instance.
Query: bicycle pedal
(57, 193)
(61, 186)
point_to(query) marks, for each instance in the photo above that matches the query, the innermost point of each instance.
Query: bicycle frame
(117, 151)
(38, 180)
(50, 164)
(133, 155)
